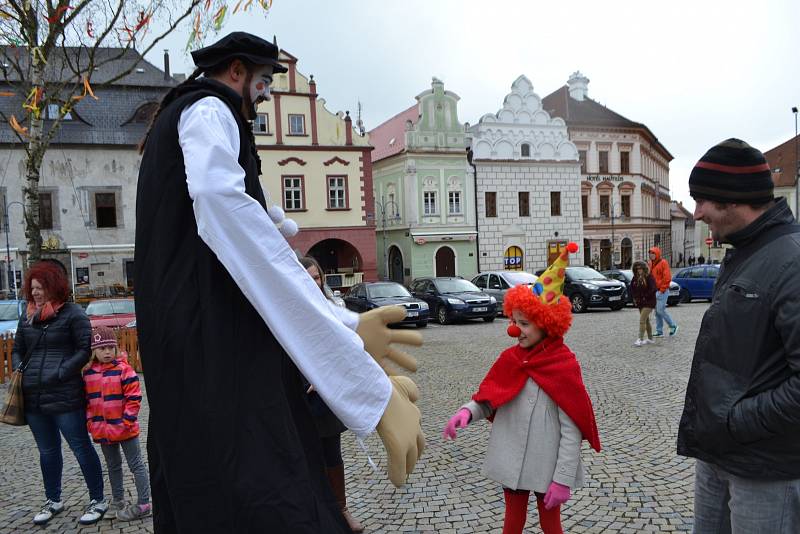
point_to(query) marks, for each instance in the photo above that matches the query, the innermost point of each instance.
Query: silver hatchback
(496, 283)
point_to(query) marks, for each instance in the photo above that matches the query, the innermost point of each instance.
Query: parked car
(453, 298)
(586, 288)
(370, 295)
(496, 283)
(10, 312)
(111, 312)
(697, 282)
(626, 275)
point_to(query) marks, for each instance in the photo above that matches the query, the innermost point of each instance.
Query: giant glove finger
(400, 430)
(377, 337)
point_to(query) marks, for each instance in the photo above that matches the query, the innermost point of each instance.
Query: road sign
(709, 241)
(83, 255)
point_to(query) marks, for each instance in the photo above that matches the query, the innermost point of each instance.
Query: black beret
(241, 45)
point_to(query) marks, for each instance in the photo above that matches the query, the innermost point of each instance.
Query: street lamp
(384, 205)
(796, 169)
(11, 277)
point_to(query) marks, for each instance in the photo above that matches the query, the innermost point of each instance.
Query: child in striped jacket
(114, 398)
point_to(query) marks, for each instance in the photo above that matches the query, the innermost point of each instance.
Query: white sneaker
(47, 512)
(94, 513)
(648, 342)
(638, 343)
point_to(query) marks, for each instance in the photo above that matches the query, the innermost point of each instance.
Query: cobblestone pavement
(636, 484)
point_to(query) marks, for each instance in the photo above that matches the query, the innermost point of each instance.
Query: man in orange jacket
(659, 268)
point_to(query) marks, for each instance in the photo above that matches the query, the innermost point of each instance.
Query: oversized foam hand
(557, 494)
(377, 337)
(459, 420)
(400, 430)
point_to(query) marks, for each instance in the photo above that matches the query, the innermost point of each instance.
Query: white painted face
(259, 85)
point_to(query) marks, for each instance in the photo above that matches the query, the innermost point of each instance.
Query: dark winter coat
(742, 409)
(52, 381)
(231, 442)
(644, 295)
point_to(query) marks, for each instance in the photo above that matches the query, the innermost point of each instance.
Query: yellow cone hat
(551, 283)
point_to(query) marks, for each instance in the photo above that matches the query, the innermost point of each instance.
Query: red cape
(555, 369)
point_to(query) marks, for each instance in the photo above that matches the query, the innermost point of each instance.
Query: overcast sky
(695, 72)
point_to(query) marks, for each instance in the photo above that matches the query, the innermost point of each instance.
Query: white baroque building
(527, 178)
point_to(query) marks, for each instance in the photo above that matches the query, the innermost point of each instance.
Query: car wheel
(488, 319)
(578, 303)
(441, 315)
(685, 296)
(422, 324)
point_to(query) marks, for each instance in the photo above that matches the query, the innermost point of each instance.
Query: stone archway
(337, 256)
(445, 262)
(605, 254)
(626, 253)
(396, 273)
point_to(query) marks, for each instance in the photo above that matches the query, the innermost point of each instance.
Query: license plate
(614, 298)
(412, 314)
(480, 309)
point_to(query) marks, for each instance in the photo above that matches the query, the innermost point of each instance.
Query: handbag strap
(24, 363)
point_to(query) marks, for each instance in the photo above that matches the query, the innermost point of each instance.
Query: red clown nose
(513, 330)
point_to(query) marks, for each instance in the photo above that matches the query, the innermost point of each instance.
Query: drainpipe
(475, 189)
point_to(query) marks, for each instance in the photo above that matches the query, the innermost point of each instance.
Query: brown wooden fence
(126, 339)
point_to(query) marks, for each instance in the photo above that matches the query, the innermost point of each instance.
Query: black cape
(231, 443)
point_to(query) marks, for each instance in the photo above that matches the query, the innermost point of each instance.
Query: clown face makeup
(259, 85)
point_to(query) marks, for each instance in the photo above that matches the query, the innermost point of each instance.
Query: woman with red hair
(535, 397)
(52, 345)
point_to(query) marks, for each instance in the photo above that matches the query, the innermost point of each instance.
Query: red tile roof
(389, 138)
(589, 113)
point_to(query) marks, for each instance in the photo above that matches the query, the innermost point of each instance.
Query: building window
(625, 162)
(603, 161)
(454, 203)
(53, 111)
(582, 159)
(526, 150)
(293, 193)
(657, 240)
(604, 205)
(297, 124)
(585, 205)
(337, 192)
(261, 124)
(105, 210)
(555, 203)
(491, 204)
(524, 204)
(429, 202)
(626, 205)
(45, 211)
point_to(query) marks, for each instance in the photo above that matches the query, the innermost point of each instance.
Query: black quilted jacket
(52, 381)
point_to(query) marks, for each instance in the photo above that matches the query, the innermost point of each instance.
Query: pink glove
(557, 494)
(459, 420)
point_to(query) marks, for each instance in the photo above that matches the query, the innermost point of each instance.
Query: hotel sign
(604, 178)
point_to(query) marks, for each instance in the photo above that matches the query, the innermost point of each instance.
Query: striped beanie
(732, 172)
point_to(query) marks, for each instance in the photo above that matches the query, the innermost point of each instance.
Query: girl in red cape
(540, 409)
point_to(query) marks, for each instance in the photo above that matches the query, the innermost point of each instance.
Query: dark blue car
(371, 295)
(452, 298)
(697, 282)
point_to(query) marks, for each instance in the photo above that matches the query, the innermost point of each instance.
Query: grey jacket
(742, 409)
(533, 442)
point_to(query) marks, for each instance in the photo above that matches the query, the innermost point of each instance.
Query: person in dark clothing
(328, 425)
(228, 320)
(643, 290)
(741, 418)
(700, 260)
(53, 338)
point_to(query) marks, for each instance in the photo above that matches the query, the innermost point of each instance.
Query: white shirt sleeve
(246, 241)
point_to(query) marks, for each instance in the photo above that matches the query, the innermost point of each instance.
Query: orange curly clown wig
(555, 319)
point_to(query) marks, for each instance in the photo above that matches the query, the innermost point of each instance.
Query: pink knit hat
(103, 336)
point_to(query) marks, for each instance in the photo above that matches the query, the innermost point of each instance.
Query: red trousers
(517, 511)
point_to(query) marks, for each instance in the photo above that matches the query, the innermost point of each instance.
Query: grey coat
(533, 442)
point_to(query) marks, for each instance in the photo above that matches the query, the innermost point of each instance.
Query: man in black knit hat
(228, 318)
(741, 418)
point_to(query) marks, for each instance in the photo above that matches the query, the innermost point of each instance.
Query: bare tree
(50, 49)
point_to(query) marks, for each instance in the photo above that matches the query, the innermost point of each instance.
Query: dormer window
(53, 111)
(526, 150)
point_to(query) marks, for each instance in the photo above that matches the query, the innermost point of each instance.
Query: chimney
(578, 86)
(166, 65)
(348, 129)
